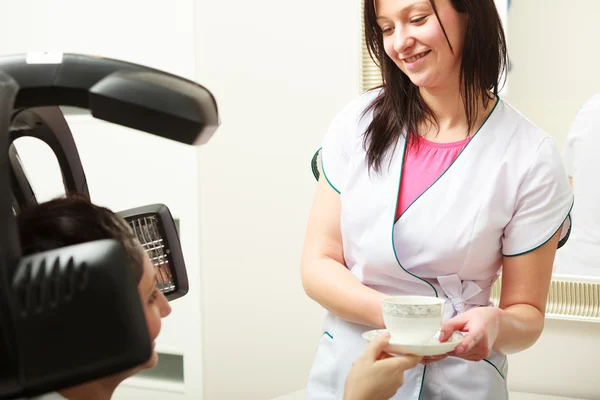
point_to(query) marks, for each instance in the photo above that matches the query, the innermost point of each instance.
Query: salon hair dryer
(73, 314)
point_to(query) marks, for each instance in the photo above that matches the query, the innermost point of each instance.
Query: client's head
(74, 220)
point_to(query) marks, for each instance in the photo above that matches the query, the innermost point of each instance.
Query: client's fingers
(384, 356)
(377, 346)
(401, 363)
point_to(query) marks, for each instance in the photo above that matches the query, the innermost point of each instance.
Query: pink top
(423, 166)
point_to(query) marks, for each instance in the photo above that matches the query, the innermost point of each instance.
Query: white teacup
(412, 319)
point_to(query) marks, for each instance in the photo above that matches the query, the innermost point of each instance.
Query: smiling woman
(419, 44)
(460, 181)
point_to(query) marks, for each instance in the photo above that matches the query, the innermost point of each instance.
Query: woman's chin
(152, 361)
(423, 82)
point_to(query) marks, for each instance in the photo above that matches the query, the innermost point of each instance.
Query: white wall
(553, 47)
(280, 71)
(564, 362)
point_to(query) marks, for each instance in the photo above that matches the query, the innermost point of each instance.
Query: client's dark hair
(73, 220)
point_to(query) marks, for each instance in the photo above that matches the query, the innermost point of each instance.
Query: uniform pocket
(497, 364)
(431, 391)
(321, 379)
(461, 379)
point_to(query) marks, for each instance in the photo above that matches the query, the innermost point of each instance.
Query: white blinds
(370, 73)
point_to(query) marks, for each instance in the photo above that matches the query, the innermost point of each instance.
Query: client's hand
(482, 325)
(376, 375)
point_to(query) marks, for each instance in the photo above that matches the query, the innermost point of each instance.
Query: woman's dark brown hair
(400, 108)
(73, 220)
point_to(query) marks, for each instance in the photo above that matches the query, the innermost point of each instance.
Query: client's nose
(164, 306)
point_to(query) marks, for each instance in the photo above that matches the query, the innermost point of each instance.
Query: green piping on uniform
(328, 334)
(394, 224)
(325, 174)
(541, 245)
(449, 166)
(422, 382)
(496, 368)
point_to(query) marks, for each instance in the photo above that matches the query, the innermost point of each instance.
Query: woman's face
(155, 306)
(415, 41)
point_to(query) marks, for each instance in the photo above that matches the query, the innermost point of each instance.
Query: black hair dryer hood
(72, 315)
(123, 93)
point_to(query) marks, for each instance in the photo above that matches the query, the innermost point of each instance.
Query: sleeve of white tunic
(568, 154)
(335, 152)
(544, 202)
(342, 138)
(581, 149)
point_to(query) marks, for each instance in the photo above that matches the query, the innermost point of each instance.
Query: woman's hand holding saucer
(481, 325)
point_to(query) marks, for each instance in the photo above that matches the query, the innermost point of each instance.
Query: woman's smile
(414, 61)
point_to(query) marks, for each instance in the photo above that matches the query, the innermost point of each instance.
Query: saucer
(431, 348)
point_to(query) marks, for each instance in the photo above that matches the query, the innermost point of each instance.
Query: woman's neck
(448, 106)
(101, 389)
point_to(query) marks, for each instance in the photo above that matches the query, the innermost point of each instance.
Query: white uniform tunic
(506, 194)
(581, 255)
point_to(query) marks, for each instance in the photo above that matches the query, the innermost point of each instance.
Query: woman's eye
(386, 30)
(417, 20)
(152, 297)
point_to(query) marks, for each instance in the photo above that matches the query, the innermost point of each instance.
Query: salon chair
(73, 314)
